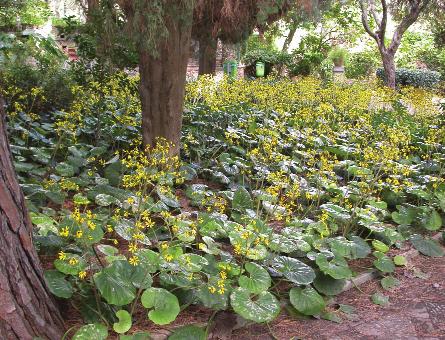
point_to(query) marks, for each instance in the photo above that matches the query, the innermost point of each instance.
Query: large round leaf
(294, 270)
(114, 283)
(258, 280)
(327, 285)
(307, 301)
(57, 284)
(189, 332)
(263, 307)
(72, 265)
(124, 323)
(336, 267)
(432, 220)
(384, 264)
(165, 305)
(428, 247)
(96, 331)
(242, 199)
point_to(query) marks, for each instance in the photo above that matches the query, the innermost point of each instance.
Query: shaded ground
(416, 310)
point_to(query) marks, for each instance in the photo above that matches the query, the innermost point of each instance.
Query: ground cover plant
(280, 186)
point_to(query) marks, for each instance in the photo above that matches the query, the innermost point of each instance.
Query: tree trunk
(27, 309)
(289, 38)
(207, 56)
(390, 70)
(162, 85)
(92, 7)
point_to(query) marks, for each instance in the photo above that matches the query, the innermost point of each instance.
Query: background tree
(376, 15)
(231, 21)
(27, 308)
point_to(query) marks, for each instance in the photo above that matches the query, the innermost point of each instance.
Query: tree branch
(364, 10)
(416, 7)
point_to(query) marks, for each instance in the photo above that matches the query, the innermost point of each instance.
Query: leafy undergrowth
(281, 185)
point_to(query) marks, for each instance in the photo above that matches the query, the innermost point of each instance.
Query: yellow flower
(62, 255)
(73, 261)
(82, 274)
(132, 247)
(79, 233)
(134, 260)
(64, 232)
(212, 289)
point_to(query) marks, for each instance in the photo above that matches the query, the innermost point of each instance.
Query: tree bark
(162, 85)
(207, 56)
(289, 38)
(390, 69)
(27, 309)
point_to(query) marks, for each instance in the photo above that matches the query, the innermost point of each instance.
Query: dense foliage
(280, 182)
(413, 77)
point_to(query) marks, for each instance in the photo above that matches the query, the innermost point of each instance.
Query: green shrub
(270, 57)
(360, 64)
(416, 78)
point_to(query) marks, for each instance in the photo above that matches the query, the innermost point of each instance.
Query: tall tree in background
(231, 21)
(377, 14)
(27, 309)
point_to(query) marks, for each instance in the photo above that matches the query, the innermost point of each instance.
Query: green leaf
(242, 199)
(293, 270)
(107, 250)
(379, 299)
(258, 280)
(189, 332)
(331, 316)
(263, 307)
(96, 331)
(136, 336)
(384, 264)
(80, 199)
(44, 223)
(336, 211)
(169, 200)
(405, 215)
(114, 283)
(307, 301)
(124, 323)
(400, 260)
(428, 247)
(432, 221)
(58, 285)
(165, 305)
(327, 285)
(105, 200)
(389, 282)
(65, 169)
(380, 246)
(337, 267)
(65, 267)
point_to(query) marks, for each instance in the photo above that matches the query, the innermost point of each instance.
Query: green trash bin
(260, 69)
(230, 68)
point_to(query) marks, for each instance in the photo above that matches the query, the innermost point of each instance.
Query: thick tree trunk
(92, 7)
(162, 86)
(207, 56)
(390, 70)
(27, 309)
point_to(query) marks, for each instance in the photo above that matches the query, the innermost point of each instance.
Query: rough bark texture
(207, 56)
(27, 309)
(390, 70)
(162, 85)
